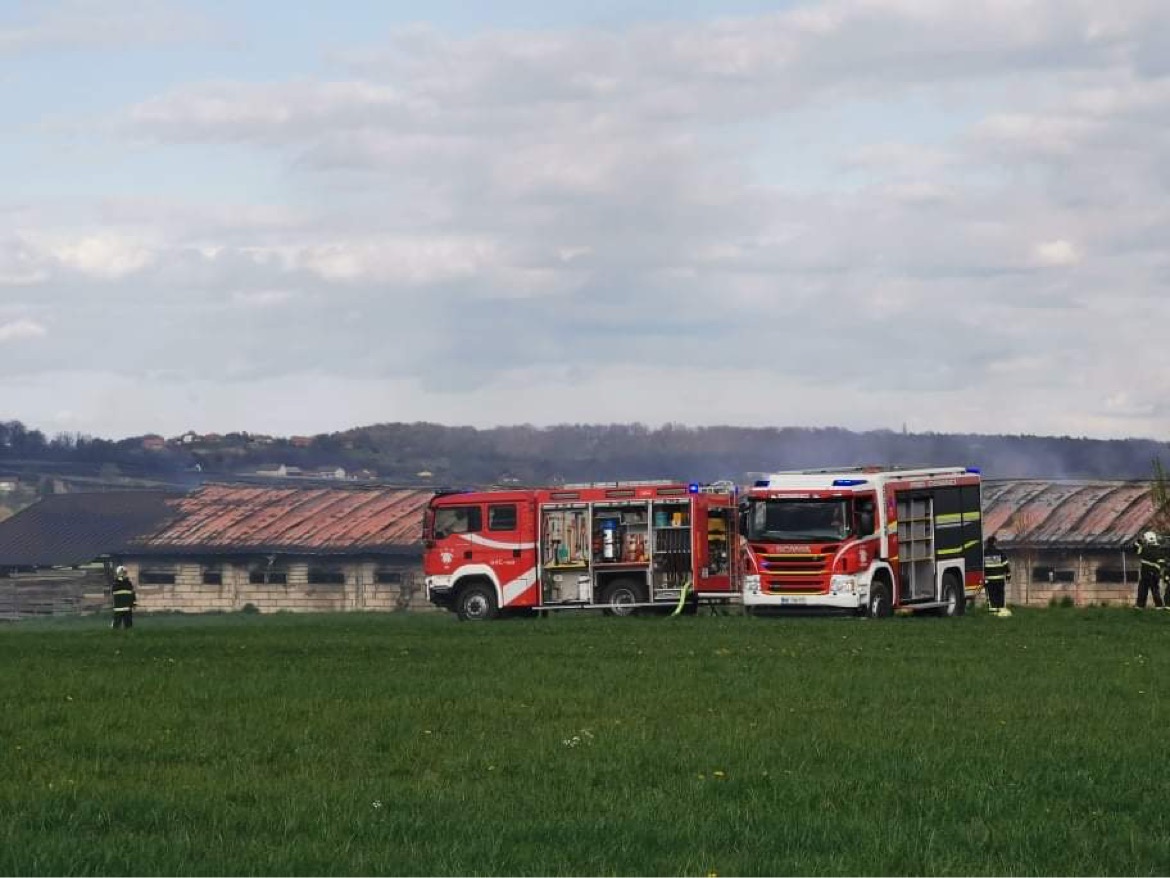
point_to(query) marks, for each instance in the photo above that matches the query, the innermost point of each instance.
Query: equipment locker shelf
(916, 547)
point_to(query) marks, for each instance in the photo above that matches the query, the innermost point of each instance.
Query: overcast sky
(300, 218)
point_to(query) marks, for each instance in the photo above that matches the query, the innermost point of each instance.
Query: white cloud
(103, 256)
(18, 330)
(263, 298)
(417, 260)
(1056, 254)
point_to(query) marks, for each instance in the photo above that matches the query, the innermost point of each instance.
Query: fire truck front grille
(795, 573)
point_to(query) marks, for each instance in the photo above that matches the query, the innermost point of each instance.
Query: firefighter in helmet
(124, 599)
(997, 573)
(1151, 562)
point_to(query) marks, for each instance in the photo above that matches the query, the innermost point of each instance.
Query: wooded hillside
(442, 455)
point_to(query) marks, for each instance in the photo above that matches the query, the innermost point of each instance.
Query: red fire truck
(870, 540)
(618, 546)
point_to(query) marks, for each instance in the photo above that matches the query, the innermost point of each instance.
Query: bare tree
(1160, 499)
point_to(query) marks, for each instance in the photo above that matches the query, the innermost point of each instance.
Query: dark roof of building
(233, 519)
(66, 530)
(1066, 514)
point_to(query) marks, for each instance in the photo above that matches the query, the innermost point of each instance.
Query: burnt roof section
(236, 519)
(66, 530)
(1042, 513)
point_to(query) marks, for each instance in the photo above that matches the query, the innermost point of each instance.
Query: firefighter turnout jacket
(1151, 558)
(124, 597)
(996, 569)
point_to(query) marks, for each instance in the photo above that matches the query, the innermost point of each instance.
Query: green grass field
(378, 744)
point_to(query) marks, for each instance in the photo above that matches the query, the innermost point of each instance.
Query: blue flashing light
(848, 483)
(974, 469)
(693, 488)
(760, 483)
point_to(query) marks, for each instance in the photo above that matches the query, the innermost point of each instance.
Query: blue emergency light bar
(974, 469)
(848, 483)
(693, 488)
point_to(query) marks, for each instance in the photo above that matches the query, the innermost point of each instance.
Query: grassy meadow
(729, 745)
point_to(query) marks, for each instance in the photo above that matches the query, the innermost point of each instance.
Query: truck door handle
(515, 553)
(467, 555)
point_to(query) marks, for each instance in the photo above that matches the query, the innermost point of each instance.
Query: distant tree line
(410, 453)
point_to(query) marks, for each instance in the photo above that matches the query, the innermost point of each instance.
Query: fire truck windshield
(797, 520)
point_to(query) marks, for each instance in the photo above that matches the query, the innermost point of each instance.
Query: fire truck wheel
(622, 593)
(880, 605)
(952, 593)
(476, 603)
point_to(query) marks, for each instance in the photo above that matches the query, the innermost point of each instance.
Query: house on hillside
(1068, 539)
(278, 470)
(300, 549)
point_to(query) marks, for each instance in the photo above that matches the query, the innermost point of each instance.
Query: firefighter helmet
(120, 570)
(1150, 538)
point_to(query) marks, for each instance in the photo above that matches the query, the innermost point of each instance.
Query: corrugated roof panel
(219, 517)
(70, 529)
(1054, 514)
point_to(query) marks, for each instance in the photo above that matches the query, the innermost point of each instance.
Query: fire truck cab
(617, 546)
(866, 539)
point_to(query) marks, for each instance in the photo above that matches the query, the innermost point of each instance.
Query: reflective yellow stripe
(122, 609)
(124, 591)
(954, 551)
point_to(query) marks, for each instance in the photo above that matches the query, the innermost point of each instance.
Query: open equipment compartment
(671, 547)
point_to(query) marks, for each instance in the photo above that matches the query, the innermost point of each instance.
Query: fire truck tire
(880, 605)
(952, 593)
(621, 592)
(476, 603)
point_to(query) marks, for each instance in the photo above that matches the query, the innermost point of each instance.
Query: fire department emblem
(447, 557)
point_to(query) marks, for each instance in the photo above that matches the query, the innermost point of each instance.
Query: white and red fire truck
(618, 546)
(870, 540)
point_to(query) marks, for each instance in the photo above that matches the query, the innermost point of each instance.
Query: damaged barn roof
(66, 530)
(1066, 514)
(225, 518)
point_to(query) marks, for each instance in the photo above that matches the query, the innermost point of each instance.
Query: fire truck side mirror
(428, 544)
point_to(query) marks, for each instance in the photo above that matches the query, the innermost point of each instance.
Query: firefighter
(997, 573)
(1151, 564)
(124, 599)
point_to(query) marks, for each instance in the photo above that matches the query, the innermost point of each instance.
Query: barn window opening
(1053, 574)
(212, 576)
(326, 576)
(272, 577)
(1116, 574)
(388, 577)
(156, 576)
